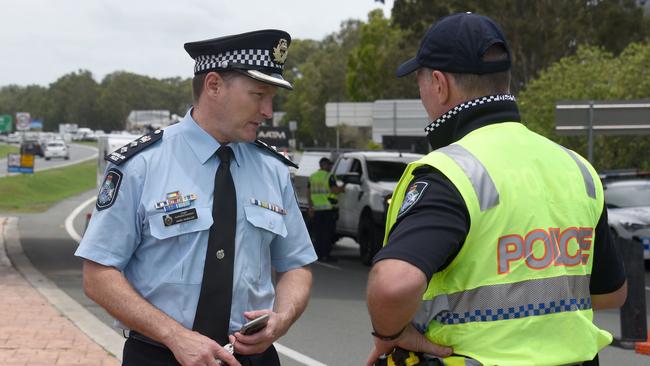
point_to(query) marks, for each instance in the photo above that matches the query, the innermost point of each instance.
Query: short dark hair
(199, 80)
(324, 161)
(474, 85)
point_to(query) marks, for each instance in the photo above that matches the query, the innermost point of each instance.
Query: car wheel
(47, 158)
(67, 158)
(369, 239)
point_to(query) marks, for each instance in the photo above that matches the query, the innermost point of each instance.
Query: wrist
(387, 338)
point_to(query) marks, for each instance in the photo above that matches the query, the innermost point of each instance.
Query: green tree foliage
(321, 78)
(71, 99)
(32, 99)
(121, 92)
(539, 32)
(592, 74)
(77, 98)
(372, 64)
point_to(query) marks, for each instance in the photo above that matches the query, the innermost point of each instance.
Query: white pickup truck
(369, 177)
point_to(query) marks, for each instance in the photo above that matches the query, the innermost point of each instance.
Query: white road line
(305, 360)
(69, 226)
(294, 355)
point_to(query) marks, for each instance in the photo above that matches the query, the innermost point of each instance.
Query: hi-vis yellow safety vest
(319, 187)
(517, 293)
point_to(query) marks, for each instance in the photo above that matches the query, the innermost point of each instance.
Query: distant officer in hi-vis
(193, 221)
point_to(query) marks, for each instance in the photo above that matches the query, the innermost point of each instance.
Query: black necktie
(213, 310)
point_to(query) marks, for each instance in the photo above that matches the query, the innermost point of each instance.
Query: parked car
(628, 209)
(56, 149)
(33, 147)
(369, 177)
(14, 138)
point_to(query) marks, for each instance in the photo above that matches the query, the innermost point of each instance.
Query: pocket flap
(160, 231)
(266, 219)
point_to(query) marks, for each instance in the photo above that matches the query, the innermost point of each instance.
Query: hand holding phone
(255, 325)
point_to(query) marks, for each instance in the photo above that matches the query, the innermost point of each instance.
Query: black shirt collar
(469, 116)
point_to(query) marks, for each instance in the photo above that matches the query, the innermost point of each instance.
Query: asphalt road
(78, 153)
(334, 330)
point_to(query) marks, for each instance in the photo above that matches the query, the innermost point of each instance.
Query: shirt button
(220, 254)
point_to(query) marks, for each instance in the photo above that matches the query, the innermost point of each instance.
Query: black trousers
(139, 353)
(324, 227)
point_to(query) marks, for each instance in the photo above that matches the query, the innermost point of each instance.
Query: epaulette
(129, 150)
(275, 152)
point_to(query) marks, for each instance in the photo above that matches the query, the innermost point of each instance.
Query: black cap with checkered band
(260, 55)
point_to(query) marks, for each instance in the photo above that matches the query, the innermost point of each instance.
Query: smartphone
(254, 325)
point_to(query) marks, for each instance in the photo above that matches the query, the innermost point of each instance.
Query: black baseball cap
(457, 44)
(259, 54)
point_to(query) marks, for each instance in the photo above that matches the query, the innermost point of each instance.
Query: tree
(72, 98)
(318, 80)
(592, 74)
(121, 92)
(539, 32)
(372, 64)
(32, 99)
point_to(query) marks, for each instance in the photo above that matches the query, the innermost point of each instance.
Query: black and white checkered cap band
(466, 105)
(251, 57)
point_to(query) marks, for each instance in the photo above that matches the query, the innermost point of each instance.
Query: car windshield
(385, 171)
(628, 194)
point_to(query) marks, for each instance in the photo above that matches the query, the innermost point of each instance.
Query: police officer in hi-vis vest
(323, 208)
(197, 231)
(497, 249)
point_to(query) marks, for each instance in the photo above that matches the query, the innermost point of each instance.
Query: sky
(42, 40)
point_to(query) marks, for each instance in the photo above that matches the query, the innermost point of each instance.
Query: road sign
(23, 120)
(5, 123)
(27, 163)
(13, 163)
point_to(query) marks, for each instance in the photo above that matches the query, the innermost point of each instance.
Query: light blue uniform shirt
(165, 263)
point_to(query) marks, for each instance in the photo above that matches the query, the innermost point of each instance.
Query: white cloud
(41, 40)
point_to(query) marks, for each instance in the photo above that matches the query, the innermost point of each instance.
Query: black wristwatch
(387, 338)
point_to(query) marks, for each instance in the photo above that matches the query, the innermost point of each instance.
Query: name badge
(178, 217)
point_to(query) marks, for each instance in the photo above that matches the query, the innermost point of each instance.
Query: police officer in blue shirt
(192, 221)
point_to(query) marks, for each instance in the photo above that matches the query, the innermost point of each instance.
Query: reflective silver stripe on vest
(509, 301)
(589, 180)
(484, 187)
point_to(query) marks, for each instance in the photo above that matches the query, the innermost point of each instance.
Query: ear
(212, 83)
(441, 86)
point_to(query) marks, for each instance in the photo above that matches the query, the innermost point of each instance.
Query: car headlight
(388, 198)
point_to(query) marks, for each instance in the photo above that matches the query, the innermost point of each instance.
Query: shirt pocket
(265, 219)
(182, 242)
(262, 227)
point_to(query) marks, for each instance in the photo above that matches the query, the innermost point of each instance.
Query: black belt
(143, 338)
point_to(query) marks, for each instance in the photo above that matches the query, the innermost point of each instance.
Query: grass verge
(39, 191)
(7, 149)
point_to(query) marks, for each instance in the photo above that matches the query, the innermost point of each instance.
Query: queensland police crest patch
(412, 195)
(109, 189)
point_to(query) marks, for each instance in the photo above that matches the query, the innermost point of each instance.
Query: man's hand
(194, 349)
(251, 344)
(410, 340)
